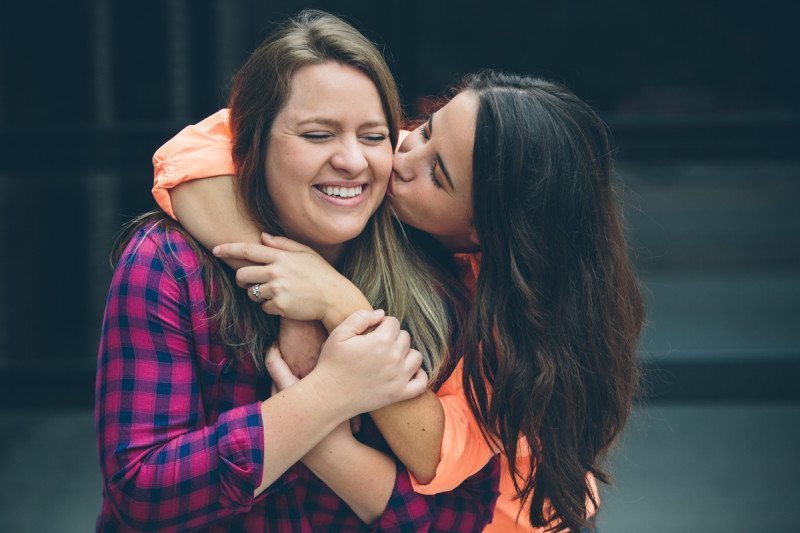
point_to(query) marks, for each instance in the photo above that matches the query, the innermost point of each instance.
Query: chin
(404, 217)
(343, 235)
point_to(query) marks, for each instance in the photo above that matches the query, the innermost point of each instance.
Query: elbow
(424, 474)
(423, 477)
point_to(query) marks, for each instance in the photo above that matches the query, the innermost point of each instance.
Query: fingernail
(265, 234)
(215, 251)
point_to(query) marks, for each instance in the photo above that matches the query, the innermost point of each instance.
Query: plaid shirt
(179, 429)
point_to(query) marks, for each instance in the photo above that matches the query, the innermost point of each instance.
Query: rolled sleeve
(240, 437)
(165, 466)
(467, 508)
(464, 450)
(406, 510)
(201, 150)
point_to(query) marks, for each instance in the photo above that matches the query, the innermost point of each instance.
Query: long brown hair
(391, 272)
(410, 281)
(550, 344)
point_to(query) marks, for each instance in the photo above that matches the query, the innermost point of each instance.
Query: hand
(367, 371)
(300, 343)
(294, 281)
(284, 377)
(278, 370)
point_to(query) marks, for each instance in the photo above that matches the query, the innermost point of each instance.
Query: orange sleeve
(199, 151)
(464, 451)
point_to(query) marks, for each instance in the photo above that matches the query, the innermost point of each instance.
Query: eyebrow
(439, 157)
(336, 124)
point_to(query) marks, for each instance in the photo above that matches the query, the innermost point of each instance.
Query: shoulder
(162, 249)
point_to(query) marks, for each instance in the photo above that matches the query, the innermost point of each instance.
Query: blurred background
(703, 99)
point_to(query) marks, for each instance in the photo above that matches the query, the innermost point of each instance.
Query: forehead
(454, 131)
(333, 91)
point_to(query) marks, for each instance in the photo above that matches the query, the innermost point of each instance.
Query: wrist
(343, 301)
(328, 396)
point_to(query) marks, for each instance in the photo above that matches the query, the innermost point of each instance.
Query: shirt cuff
(240, 444)
(463, 452)
(171, 170)
(406, 510)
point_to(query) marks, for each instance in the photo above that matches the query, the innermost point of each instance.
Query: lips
(341, 192)
(341, 201)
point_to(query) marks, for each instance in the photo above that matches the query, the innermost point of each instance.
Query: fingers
(260, 293)
(283, 243)
(413, 361)
(390, 327)
(270, 307)
(250, 275)
(254, 253)
(403, 341)
(277, 368)
(356, 324)
(416, 385)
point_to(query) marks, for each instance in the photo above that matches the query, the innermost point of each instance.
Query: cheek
(380, 161)
(449, 215)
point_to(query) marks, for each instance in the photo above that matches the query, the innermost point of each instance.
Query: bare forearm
(310, 415)
(345, 300)
(414, 429)
(361, 476)
(208, 210)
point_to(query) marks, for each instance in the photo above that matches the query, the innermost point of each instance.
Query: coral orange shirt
(203, 150)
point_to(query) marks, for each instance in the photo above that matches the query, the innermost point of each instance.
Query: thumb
(356, 324)
(278, 370)
(282, 243)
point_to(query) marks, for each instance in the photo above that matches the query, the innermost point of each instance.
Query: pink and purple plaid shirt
(179, 429)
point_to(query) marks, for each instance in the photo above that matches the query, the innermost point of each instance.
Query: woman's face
(431, 184)
(328, 156)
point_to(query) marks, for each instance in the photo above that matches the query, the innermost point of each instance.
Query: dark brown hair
(550, 345)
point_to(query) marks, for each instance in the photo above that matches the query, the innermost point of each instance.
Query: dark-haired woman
(515, 172)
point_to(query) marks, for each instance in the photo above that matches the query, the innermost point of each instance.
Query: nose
(350, 158)
(401, 169)
(403, 157)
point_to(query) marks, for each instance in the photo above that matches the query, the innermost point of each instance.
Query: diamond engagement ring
(255, 290)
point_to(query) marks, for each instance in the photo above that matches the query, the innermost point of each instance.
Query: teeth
(342, 192)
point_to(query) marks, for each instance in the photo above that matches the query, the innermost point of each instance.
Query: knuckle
(385, 337)
(249, 251)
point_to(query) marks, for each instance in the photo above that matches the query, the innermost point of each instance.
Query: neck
(458, 244)
(331, 254)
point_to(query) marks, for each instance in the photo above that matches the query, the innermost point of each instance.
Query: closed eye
(316, 136)
(376, 138)
(427, 137)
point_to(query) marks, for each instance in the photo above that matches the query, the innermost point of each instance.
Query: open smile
(346, 196)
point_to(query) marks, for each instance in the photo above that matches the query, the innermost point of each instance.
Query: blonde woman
(188, 433)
